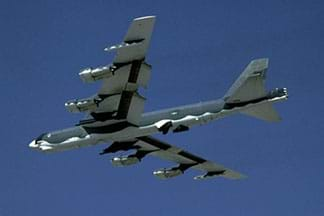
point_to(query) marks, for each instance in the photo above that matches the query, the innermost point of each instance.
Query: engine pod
(91, 75)
(81, 105)
(167, 173)
(124, 161)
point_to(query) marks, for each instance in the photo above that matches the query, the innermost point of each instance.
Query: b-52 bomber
(115, 114)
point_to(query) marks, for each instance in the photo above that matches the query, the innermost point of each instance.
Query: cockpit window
(40, 137)
(175, 112)
(62, 135)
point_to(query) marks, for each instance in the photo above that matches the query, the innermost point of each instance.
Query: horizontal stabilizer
(264, 112)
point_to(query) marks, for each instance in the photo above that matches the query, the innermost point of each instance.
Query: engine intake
(82, 105)
(92, 75)
(125, 161)
(167, 173)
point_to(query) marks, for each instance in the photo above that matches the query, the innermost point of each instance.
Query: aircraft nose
(33, 144)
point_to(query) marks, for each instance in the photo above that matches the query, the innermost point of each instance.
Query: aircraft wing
(118, 98)
(150, 146)
(136, 41)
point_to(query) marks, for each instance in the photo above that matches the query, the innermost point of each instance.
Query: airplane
(115, 114)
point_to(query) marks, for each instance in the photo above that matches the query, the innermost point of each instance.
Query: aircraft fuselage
(175, 119)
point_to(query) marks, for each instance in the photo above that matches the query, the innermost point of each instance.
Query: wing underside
(118, 98)
(131, 72)
(151, 146)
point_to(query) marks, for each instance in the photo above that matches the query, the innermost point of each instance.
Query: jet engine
(92, 75)
(167, 173)
(125, 161)
(81, 105)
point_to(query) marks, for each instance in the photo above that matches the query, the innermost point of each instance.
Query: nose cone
(33, 145)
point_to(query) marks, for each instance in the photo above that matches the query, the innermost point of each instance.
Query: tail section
(250, 84)
(264, 112)
(249, 91)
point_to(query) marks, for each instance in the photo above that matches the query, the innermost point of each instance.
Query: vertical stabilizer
(250, 84)
(249, 88)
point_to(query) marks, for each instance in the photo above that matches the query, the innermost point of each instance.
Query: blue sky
(197, 50)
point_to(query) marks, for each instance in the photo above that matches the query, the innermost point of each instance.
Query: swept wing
(118, 98)
(151, 146)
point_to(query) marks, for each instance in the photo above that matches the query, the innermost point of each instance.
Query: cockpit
(58, 137)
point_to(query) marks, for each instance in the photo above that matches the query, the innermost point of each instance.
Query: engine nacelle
(167, 173)
(92, 75)
(81, 105)
(125, 161)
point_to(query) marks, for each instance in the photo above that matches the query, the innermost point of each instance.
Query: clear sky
(197, 50)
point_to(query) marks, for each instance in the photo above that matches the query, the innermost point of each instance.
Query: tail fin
(250, 87)
(250, 84)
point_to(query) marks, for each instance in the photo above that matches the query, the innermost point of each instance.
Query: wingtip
(145, 18)
(242, 176)
(234, 175)
(261, 62)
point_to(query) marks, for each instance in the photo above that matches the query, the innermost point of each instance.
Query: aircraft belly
(188, 121)
(132, 132)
